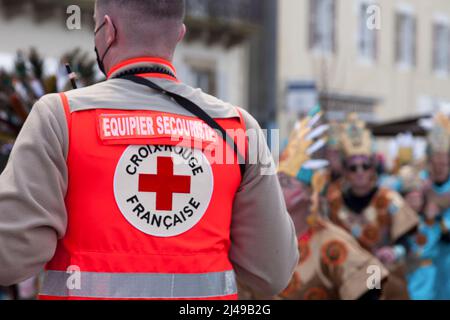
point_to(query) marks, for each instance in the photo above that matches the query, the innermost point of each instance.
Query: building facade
(385, 59)
(215, 56)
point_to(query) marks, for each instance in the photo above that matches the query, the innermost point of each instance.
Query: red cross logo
(164, 184)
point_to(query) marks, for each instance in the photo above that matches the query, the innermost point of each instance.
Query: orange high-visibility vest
(143, 224)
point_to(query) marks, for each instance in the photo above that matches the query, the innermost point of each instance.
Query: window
(367, 37)
(406, 26)
(322, 25)
(197, 8)
(441, 47)
(205, 79)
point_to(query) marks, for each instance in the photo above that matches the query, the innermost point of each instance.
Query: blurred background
(388, 60)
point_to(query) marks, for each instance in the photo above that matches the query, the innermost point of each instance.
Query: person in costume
(402, 153)
(439, 197)
(421, 261)
(377, 217)
(332, 264)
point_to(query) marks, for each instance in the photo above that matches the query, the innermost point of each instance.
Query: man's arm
(264, 248)
(32, 191)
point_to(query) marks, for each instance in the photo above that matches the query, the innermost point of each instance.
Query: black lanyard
(192, 108)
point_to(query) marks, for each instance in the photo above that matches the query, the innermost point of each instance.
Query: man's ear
(111, 32)
(182, 33)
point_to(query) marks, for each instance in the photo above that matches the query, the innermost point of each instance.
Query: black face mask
(100, 63)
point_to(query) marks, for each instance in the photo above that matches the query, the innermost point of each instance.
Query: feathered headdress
(356, 139)
(298, 159)
(306, 139)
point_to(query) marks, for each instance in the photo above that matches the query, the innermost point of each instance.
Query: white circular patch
(163, 191)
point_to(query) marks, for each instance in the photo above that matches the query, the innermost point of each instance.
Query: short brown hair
(155, 9)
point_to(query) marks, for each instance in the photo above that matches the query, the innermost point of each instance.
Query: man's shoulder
(54, 101)
(117, 93)
(95, 92)
(48, 104)
(75, 93)
(213, 105)
(198, 94)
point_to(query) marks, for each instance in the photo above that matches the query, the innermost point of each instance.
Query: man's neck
(145, 65)
(356, 203)
(117, 59)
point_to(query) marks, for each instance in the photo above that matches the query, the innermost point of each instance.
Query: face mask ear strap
(112, 43)
(100, 28)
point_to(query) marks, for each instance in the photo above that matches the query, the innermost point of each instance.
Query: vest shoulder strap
(195, 110)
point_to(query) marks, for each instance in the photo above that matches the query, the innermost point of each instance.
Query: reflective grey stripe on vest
(138, 285)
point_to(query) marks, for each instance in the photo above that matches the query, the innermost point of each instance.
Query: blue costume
(435, 235)
(390, 182)
(443, 259)
(423, 281)
(429, 280)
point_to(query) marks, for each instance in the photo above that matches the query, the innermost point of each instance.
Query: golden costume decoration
(382, 223)
(356, 139)
(332, 264)
(383, 218)
(333, 267)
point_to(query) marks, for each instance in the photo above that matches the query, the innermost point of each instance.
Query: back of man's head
(144, 23)
(150, 9)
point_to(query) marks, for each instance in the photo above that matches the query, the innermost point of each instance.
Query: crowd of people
(352, 219)
(393, 226)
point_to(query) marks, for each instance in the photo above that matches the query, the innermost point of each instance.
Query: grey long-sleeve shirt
(34, 184)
